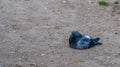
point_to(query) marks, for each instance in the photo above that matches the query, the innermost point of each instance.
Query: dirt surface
(34, 33)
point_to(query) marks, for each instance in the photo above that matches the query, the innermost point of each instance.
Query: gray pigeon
(82, 41)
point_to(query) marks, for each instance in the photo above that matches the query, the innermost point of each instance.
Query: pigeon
(82, 41)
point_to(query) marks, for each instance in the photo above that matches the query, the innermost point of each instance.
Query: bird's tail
(96, 41)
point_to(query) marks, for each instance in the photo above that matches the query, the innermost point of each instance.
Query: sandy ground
(34, 33)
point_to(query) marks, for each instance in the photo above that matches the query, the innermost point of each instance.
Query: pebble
(42, 54)
(116, 33)
(113, 63)
(33, 65)
(45, 8)
(19, 58)
(88, 8)
(14, 31)
(109, 57)
(117, 19)
(41, 63)
(107, 37)
(89, 1)
(64, 1)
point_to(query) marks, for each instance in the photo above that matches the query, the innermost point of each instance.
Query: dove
(82, 41)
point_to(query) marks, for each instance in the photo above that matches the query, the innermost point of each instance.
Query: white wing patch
(87, 36)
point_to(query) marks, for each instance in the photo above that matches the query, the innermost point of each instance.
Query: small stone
(116, 33)
(118, 53)
(109, 57)
(118, 13)
(88, 8)
(41, 63)
(118, 19)
(19, 58)
(45, 8)
(89, 1)
(113, 63)
(33, 65)
(64, 1)
(14, 31)
(107, 38)
(17, 65)
(42, 54)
